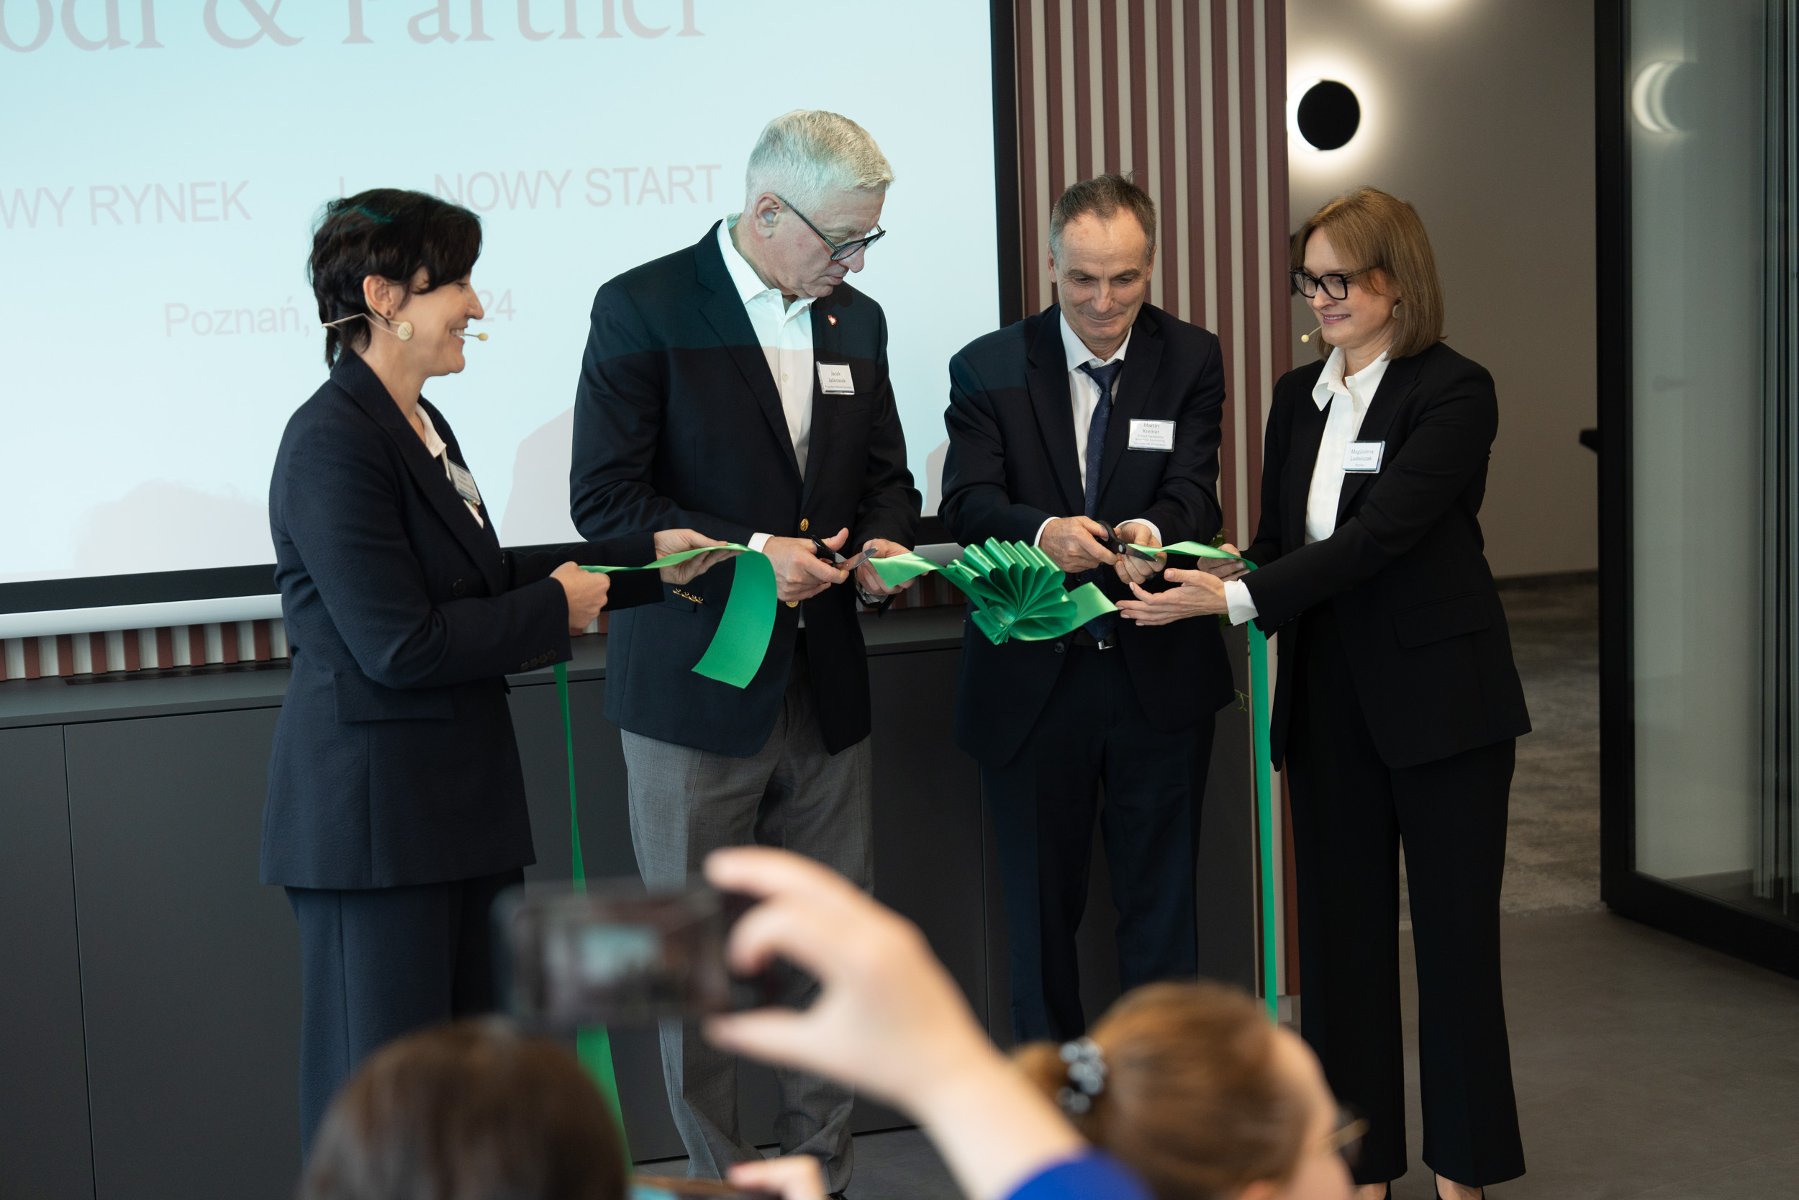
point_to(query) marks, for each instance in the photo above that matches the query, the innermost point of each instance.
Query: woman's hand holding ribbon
(673, 541)
(1225, 568)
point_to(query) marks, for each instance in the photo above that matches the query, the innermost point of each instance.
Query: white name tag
(1362, 458)
(834, 379)
(1152, 435)
(465, 482)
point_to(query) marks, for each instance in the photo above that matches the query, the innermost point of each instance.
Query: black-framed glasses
(839, 250)
(1334, 283)
(1345, 1137)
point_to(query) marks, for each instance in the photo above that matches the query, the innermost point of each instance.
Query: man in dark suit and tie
(742, 382)
(1101, 412)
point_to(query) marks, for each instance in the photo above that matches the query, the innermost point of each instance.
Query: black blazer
(1012, 465)
(678, 423)
(394, 761)
(1404, 572)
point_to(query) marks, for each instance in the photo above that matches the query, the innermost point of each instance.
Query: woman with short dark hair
(1398, 707)
(396, 803)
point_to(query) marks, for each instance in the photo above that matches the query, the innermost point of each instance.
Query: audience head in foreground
(1194, 1089)
(467, 1111)
(478, 1111)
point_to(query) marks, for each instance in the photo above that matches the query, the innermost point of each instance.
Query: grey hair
(808, 153)
(1102, 196)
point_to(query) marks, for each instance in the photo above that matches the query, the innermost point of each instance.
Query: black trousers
(382, 962)
(1093, 734)
(1351, 814)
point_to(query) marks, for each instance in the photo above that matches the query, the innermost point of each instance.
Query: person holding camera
(889, 1021)
(1199, 1093)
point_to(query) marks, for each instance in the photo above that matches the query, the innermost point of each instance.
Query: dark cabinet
(149, 985)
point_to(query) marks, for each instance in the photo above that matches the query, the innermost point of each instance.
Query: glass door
(1699, 468)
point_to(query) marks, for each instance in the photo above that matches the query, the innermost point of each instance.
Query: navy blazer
(1405, 572)
(1012, 465)
(678, 423)
(394, 760)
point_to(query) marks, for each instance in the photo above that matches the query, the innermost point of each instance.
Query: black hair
(391, 233)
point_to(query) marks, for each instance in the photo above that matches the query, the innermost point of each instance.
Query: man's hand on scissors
(800, 573)
(1132, 565)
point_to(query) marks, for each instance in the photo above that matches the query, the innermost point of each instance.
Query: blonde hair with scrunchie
(1192, 1098)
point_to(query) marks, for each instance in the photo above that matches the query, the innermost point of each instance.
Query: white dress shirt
(1083, 398)
(1344, 400)
(785, 331)
(434, 443)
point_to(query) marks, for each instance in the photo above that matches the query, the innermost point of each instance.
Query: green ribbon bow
(1014, 590)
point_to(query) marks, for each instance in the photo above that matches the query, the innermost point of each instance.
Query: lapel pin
(830, 318)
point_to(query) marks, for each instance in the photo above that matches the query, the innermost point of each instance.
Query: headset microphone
(479, 337)
(1306, 337)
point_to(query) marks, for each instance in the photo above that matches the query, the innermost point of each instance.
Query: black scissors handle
(837, 560)
(1117, 545)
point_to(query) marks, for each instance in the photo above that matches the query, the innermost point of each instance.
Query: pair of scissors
(1117, 545)
(837, 560)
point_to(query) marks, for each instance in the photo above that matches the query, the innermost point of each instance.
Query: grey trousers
(792, 794)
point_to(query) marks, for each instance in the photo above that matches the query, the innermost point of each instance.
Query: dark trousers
(1093, 734)
(792, 793)
(382, 962)
(1351, 813)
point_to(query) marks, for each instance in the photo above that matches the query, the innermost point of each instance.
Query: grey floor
(1645, 1066)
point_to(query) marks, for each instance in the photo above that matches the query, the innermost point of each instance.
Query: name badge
(834, 379)
(465, 482)
(1362, 458)
(1152, 435)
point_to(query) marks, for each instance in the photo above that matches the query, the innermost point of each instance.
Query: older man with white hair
(740, 387)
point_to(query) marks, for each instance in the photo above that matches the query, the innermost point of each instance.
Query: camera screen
(616, 956)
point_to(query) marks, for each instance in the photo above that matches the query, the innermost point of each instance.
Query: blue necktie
(1105, 375)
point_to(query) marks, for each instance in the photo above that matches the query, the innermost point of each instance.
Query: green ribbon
(1258, 718)
(738, 646)
(1014, 590)
(1192, 550)
(593, 1043)
(1258, 706)
(740, 642)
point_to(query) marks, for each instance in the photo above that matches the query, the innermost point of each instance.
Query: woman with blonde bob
(1397, 708)
(1194, 1089)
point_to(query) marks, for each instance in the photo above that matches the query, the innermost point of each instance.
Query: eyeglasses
(839, 250)
(1345, 1138)
(1334, 283)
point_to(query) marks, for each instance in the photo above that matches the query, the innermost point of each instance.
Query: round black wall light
(1328, 115)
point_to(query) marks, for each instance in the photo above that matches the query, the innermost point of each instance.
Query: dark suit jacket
(1012, 465)
(394, 761)
(678, 423)
(1404, 571)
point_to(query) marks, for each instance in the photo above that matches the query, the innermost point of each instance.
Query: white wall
(1480, 112)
